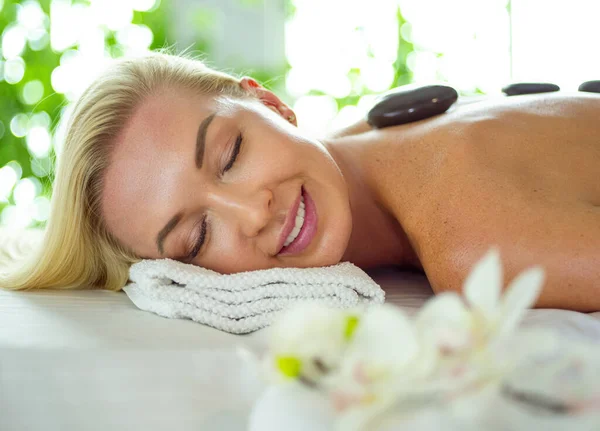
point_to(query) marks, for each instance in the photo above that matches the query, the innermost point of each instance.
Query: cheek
(225, 244)
(271, 160)
(228, 258)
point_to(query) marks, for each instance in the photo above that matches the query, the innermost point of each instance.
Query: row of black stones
(407, 104)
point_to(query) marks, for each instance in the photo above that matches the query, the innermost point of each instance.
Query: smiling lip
(290, 222)
(309, 228)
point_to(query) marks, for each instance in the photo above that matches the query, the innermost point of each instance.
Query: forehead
(159, 114)
(167, 114)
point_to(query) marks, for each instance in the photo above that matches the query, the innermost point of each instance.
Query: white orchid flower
(308, 341)
(379, 363)
(469, 331)
(385, 358)
(485, 314)
(448, 350)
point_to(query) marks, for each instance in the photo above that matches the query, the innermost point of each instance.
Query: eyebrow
(160, 238)
(201, 140)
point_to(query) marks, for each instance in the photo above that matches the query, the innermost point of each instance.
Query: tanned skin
(520, 173)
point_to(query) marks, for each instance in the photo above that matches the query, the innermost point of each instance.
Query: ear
(268, 98)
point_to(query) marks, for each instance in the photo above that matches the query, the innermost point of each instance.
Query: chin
(328, 259)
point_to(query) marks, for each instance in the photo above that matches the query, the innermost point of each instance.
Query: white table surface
(90, 360)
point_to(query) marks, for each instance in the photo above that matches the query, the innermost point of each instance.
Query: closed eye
(198, 243)
(236, 151)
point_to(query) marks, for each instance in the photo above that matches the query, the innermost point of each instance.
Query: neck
(377, 237)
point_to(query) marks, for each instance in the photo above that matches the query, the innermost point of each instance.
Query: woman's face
(231, 171)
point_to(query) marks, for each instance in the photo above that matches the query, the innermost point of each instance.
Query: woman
(167, 158)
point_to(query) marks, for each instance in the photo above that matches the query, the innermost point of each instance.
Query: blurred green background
(327, 58)
(38, 80)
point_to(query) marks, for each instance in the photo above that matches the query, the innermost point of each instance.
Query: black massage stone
(529, 88)
(590, 86)
(407, 104)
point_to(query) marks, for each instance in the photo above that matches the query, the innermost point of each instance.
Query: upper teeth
(299, 223)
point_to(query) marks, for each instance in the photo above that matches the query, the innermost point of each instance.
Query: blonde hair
(76, 250)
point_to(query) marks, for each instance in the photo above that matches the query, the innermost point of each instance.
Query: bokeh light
(144, 5)
(25, 192)
(378, 75)
(14, 70)
(358, 38)
(19, 125)
(321, 110)
(15, 166)
(80, 37)
(38, 39)
(38, 141)
(341, 55)
(29, 206)
(440, 43)
(347, 116)
(33, 92)
(41, 167)
(8, 179)
(135, 38)
(115, 14)
(31, 16)
(14, 38)
(63, 25)
(40, 119)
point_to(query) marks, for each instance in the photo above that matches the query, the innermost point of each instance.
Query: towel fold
(246, 301)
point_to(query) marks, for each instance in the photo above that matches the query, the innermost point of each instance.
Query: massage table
(90, 360)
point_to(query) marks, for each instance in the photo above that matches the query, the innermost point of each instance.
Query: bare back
(521, 173)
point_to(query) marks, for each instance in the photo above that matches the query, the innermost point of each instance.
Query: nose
(252, 211)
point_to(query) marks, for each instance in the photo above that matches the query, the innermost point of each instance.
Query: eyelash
(236, 151)
(194, 252)
(203, 228)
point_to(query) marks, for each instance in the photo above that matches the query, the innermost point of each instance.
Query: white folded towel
(246, 301)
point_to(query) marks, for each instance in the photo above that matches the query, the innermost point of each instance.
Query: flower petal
(442, 308)
(291, 407)
(385, 337)
(484, 283)
(445, 322)
(309, 330)
(520, 295)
